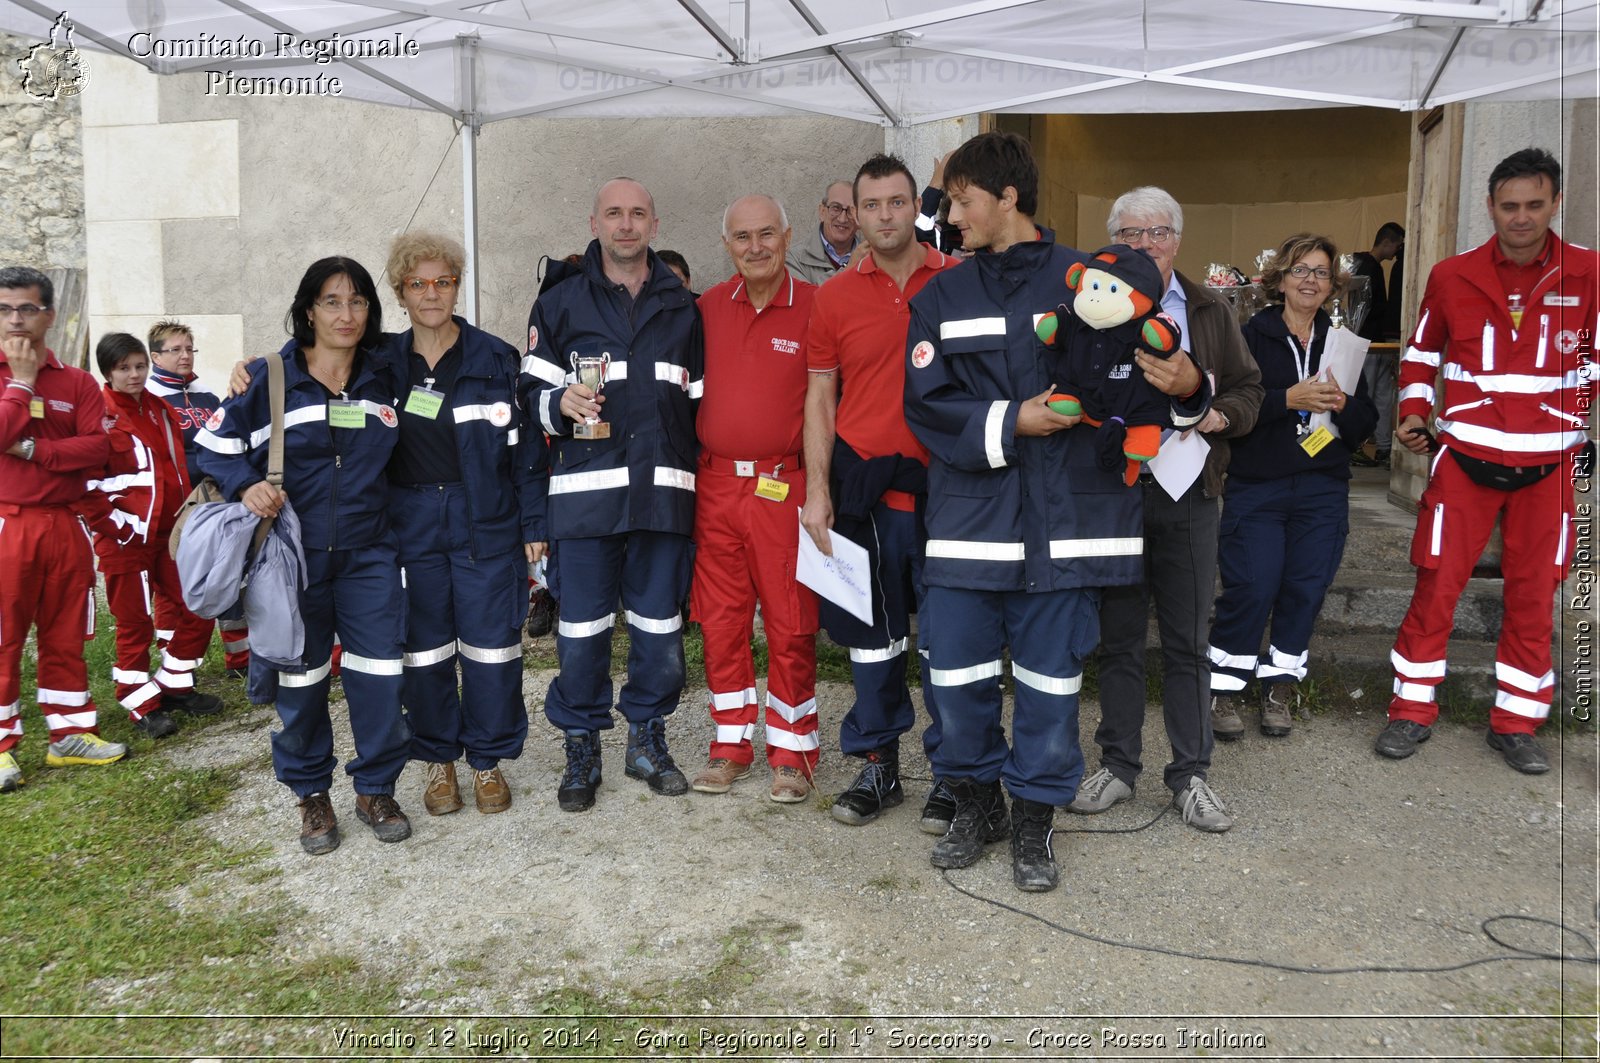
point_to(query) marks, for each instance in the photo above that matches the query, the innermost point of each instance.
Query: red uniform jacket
(133, 501)
(69, 439)
(1512, 396)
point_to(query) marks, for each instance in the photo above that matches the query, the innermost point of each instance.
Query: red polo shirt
(69, 440)
(858, 329)
(754, 404)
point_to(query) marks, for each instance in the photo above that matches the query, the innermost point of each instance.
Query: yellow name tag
(346, 414)
(1316, 441)
(36, 407)
(767, 487)
(424, 402)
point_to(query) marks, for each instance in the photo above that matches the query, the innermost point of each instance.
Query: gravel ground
(734, 906)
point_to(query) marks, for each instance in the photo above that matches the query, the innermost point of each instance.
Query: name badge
(36, 408)
(1314, 442)
(1560, 300)
(346, 414)
(424, 402)
(767, 487)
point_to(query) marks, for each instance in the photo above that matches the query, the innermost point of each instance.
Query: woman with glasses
(467, 513)
(1286, 510)
(341, 424)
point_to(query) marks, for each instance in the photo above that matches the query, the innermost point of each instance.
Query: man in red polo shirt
(866, 478)
(749, 489)
(1511, 325)
(51, 436)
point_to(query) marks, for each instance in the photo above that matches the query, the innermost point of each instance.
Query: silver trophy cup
(591, 371)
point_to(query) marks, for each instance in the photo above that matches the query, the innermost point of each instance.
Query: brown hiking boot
(319, 830)
(719, 775)
(1226, 725)
(383, 815)
(441, 795)
(789, 785)
(1278, 702)
(490, 791)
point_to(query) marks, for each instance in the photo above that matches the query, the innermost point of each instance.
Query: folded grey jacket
(212, 559)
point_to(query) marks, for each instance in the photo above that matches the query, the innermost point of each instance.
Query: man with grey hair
(1180, 551)
(823, 253)
(750, 488)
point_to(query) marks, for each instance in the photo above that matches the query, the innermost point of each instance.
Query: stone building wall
(41, 171)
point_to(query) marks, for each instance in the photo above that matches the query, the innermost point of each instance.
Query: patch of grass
(1554, 1023)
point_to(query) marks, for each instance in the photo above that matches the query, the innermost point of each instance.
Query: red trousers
(46, 580)
(235, 634)
(745, 549)
(1453, 525)
(135, 598)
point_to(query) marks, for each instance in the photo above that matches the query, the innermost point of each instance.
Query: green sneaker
(84, 749)
(10, 774)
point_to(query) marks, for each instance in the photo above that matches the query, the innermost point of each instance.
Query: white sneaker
(1201, 807)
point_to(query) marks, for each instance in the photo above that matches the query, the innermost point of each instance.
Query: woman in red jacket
(131, 508)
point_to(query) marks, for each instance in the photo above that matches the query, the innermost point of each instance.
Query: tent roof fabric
(890, 62)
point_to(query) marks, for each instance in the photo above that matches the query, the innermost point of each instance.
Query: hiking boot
(1521, 752)
(441, 794)
(383, 815)
(156, 724)
(319, 829)
(582, 777)
(1201, 807)
(980, 819)
(1400, 738)
(490, 791)
(84, 749)
(1226, 726)
(649, 760)
(789, 785)
(192, 703)
(1100, 792)
(1033, 861)
(938, 809)
(10, 774)
(876, 788)
(719, 775)
(541, 614)
(1278, 701)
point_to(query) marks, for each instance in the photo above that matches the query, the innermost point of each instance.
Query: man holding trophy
(613, 371)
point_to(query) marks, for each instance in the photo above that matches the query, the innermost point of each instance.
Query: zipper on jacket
(333, 494)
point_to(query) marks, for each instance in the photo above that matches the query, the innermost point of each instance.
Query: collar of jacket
(660, 280)
(477, 359)
(1565, 260)
(295, 375)
(1269, 322)
(1027, 255)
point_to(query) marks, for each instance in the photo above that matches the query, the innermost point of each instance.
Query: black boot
(582, 777)
(648, 759)
(980, 820)
(938, 809)
(1033, 862)
(877, 787)
(192, 703)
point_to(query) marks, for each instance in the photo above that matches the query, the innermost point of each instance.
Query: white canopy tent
(889, 62)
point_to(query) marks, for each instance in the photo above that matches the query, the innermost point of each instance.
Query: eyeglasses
(26, 310)
(1158, 234)
(1322, 273)
(332, 304)
(178, 350)
(836, 210)
(442, 285)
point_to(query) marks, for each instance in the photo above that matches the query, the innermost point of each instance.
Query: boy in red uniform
(132, 507)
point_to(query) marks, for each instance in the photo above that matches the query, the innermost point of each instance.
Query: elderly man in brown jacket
(1180, 551)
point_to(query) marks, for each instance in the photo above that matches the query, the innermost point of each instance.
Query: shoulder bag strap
(275, 446)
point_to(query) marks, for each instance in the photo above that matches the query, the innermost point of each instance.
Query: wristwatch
(27, 449)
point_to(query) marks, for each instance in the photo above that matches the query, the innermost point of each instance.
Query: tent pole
(471, 123)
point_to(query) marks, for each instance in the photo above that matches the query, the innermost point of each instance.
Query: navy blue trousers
(649, 572)
(883, 709)
(1279, 547)
(462, 610)
(357, 592)
(1049, 635)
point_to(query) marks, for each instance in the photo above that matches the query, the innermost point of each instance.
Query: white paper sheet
(1179, 462)
(843, 579)
(1343, 355)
